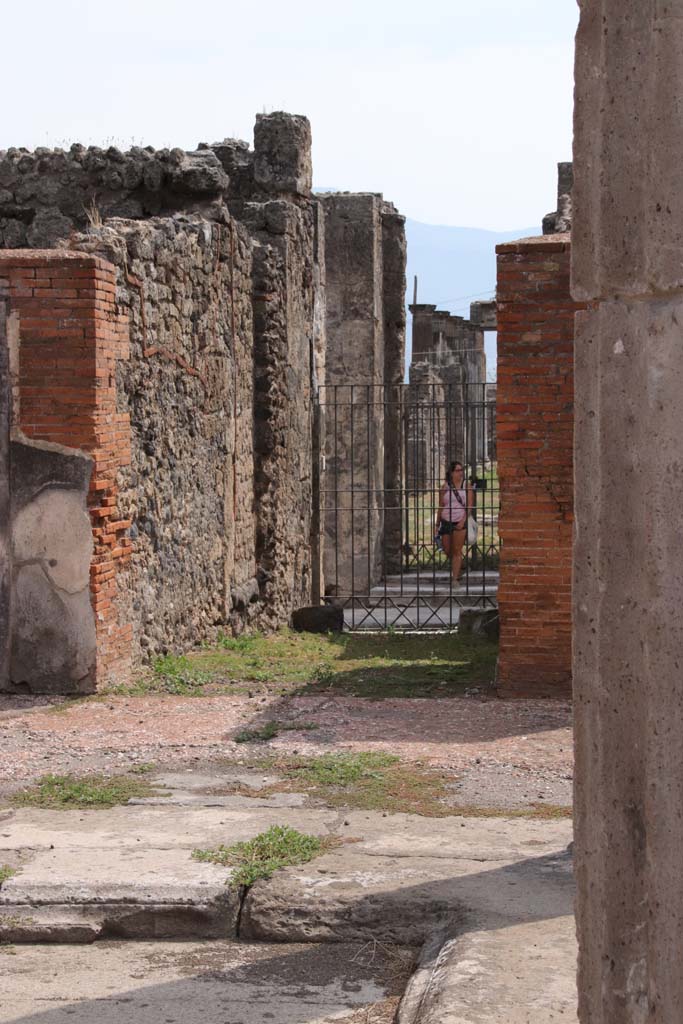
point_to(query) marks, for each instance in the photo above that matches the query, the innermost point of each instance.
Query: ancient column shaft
(628, 564)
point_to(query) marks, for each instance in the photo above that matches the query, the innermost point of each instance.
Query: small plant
(237, 643)
(6, 872)
(175, 674)
(270, 730)
(262, 735)
(324, 674)
(265, 854)
(94, 791)
(141, 769)
(345, 769)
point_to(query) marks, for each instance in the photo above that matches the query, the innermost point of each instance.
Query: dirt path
(502, 753)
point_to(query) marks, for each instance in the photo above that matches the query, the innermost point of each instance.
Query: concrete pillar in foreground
(628, 569)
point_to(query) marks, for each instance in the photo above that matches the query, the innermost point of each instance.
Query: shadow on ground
(295, 986)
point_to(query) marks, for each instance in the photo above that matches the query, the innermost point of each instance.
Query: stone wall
(560, 220)
(535, 395)
(628, 569)
(227, 331)
(199, 421)
(187, 390)
(48, 194)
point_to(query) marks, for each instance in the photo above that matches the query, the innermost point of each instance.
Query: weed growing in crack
(266, 853)
(64, 792)
(6, 872)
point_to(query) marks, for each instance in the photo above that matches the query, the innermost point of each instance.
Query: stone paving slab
(497, 894)
(194, 983)
(496, 972)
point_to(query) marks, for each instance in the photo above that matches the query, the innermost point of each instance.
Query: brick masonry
(535, 409)
(68, 341)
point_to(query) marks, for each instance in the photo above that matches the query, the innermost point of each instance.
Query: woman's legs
(457, 543)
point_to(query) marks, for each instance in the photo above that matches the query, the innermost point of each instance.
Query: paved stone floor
(486, 902)
(199, 983)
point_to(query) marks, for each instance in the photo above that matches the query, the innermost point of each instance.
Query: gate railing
(383, 452)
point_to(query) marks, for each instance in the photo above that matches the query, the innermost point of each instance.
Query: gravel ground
(501, 753)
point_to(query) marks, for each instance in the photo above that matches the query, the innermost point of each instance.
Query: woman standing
(455, 503)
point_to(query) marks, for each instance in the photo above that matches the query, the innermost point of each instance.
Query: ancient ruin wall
(394, 255)
(270, 193)
(47, 195)
(228, 337)
(535, 411)
(185, 288)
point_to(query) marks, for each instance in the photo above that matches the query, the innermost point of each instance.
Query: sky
(457, 110)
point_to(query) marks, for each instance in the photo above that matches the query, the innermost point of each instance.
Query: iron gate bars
(382, 453)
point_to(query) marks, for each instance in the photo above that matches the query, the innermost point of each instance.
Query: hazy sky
(457, 110)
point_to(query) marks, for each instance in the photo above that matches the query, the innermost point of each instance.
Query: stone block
(282, 153)
(325, 618)
(480, 622)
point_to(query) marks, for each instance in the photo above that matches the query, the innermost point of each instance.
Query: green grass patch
(370, 781)
(269, 730)
(66, 792)
(6, 872)
(373, 665)
(265, 854)
(377, 781)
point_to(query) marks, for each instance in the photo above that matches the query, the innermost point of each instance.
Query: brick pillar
(535, 466)
(70, 338)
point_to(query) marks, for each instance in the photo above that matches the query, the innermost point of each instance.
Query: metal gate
(382, 456)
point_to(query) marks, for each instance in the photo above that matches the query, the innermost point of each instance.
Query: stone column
(394, 250)
(628, 565)
(355, 363)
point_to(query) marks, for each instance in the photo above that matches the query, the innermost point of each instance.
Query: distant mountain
(454, 267)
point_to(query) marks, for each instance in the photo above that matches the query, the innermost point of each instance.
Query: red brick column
(69, 340)
(535, 409)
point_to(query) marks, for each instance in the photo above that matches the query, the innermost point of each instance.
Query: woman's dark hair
(449, 471)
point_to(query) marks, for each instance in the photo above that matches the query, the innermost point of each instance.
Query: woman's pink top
(452, 510)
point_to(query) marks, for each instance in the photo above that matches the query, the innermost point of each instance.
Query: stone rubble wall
(185, 287)
(5, 496)
(47, 195)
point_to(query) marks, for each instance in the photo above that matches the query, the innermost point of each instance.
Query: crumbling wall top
(282, 153)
